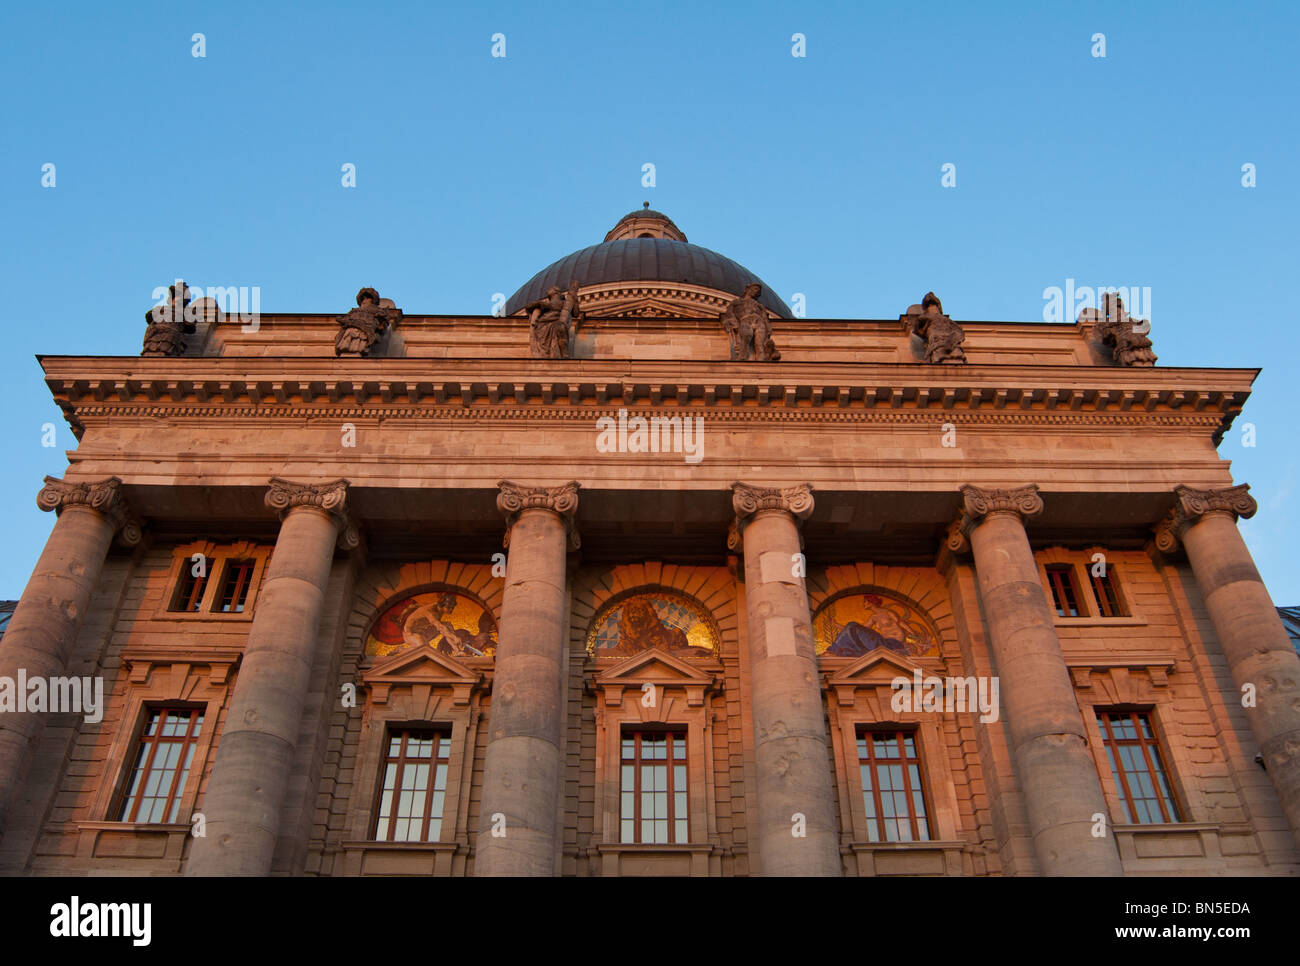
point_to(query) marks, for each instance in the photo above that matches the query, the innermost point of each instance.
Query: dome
(645, 246)
(646, 223)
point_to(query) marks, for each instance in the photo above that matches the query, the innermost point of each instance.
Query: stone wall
(1165, 656)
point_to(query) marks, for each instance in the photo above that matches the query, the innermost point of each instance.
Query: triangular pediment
(419, 664)
(880, 664)
(654, 665)
(647, 308)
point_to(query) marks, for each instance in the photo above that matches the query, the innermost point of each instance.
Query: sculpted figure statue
(943, 337)
(748, 327)
(168, 324)
(361, 328)
(1120, 330)
(552, 320)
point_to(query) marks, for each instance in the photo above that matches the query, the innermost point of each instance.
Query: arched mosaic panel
(672, 622)
(853, 623)
(452, 622)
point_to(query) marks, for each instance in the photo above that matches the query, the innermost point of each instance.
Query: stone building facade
(647, 576)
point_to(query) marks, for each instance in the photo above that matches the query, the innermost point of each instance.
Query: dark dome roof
(646, 260)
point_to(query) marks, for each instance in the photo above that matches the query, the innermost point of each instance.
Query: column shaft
(797, 833)
(1256, 646)
(524, 759)
(1058, 774)
(44, 627)
(246, 790)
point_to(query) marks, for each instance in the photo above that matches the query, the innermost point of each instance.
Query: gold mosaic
(853, 624)
(670, 622)
(452, 623)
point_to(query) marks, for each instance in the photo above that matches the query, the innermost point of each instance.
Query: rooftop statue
(168, 324)
(552, 320)
(943, 337)
(1126, 335)
(748, 327)
(361, 328)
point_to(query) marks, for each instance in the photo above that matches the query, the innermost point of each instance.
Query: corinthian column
(1048, 742)
(521, 771)
(1259, 652)
(43, 629)
(796, 790)
(246, 789)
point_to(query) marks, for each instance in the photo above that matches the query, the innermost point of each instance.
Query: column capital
(748, 500)
(978, 504)
(513, 499)
(331, 498)
(1191, 505)
(104, 496)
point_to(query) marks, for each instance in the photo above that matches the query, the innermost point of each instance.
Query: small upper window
(189, 589)
(215, 583)
(235, 582)
(1109, 601)
(1065, 595)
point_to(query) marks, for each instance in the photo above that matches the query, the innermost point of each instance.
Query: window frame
(859, 692)
(686, 693)
(674, 736)
(1070, 570)
(442, 735)
(248, 567)
(153, 677)
(189, 743)
(1101, 601)
(1119, 777)
(218, 557)
(866, 730)
(421, 689)
(183, 579)
(1080, 559)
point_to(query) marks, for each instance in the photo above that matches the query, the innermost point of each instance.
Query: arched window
(855, 622)
(657, 678)
(447, 619)
(637, 621)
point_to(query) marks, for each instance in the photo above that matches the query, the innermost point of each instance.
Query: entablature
(392, 388)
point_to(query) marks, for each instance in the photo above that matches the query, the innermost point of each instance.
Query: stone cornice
(1190, 505)
(513, 499)
(510, 412)
(284, 495)
(185, 388)
(978, 504)
(748, 500)
(104, 496)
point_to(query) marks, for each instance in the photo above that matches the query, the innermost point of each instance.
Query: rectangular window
(1107, 594)
(1135, 762)
(653, 786)
(892, 791)
(234, 586)
(162, 764)
(1065, 596)
(189, 589)
(414, 786)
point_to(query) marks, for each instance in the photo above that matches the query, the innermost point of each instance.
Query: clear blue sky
(821, 174)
